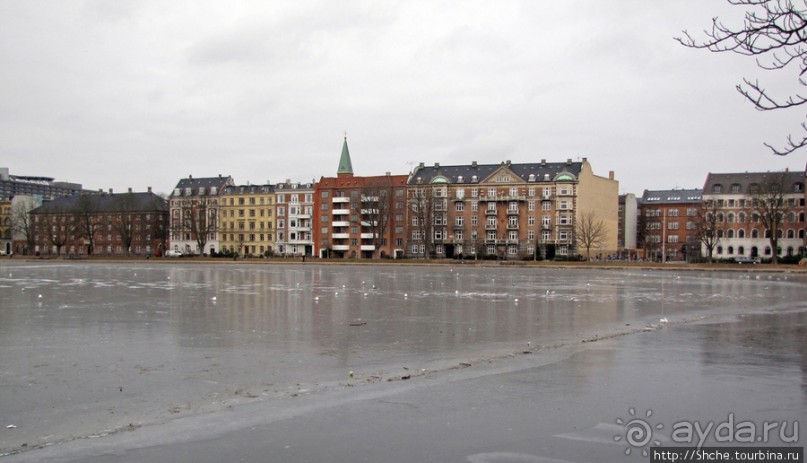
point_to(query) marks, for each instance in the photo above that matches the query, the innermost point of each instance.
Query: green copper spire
(345, 166)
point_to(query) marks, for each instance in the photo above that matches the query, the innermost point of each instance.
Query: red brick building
(102, 224)
(668, 224)
(359, 217)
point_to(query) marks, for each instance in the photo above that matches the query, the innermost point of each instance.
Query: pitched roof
(738, 183)
(195, 184)
(672, 196)
(102, 203)
(474, 173)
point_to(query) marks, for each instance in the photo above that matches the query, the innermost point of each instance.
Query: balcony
(341, 200)
(546, 197)
(365, 223)
(489, 226)
(512, 211)
(341, 212)
(458, 227)
(303, 216)
(368, 236)
(491, 212)
(512, 226)
(340, 247)
(340, 223)
(367, 247)
(340, 236)
(369, 211)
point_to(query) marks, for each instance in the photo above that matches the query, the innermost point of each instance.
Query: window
(459, 206)
(718, 188)
(474, 206)
(459, 221)
(531, 205)
(474, 220)
(546, 206)
(531, 220)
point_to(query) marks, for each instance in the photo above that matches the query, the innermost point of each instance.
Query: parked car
(747, 260)
(173, 253)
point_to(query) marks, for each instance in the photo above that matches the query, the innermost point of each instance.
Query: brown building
(508, 210)
(361, 217)
(667, 226)
(101, 224)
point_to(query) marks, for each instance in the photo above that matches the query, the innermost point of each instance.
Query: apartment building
(247, 220)
(44, 187)
(295, 218)
(359, 217)
(751, 207)
(507, 210)
(669, 224)
(194, 208)
(123, 224)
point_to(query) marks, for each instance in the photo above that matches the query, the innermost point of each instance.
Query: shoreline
(674, 266)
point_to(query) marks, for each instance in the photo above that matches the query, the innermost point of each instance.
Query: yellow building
(247, 220)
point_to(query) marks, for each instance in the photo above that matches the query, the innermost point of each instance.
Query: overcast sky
(117, 94)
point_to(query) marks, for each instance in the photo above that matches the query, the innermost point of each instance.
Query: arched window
(790, 250)
(731, 217)
(720, 217)
(791, 233)
(730, 234)
(801, 233)
(742, 217)
(731, 250)
(741, 233)
(754, 233)
(720, 250)
(780, 233)
(767, 250)
(741, 250)
(720, 233)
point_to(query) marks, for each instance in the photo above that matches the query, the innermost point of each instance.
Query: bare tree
(590, 232)
(709, 227)
(770, 208)
(85, 212)
(125, 207)
(422, 209)
(23, 225)
(56, 227)
(376, 203)
(775, 33)
(199, 220)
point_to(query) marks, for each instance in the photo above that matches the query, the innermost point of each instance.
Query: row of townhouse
(737, 215)
(503, 210)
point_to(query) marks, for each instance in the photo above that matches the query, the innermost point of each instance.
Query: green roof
(345, 166)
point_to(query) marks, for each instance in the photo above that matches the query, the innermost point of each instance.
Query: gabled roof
(474, 173)
(106, 203)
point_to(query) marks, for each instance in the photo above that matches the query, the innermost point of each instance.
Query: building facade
(295, 218)
(359, 217)
(123, 224)
(669, 224)
(627, 230)
(44, 187)
(741, 202)
(194, 208)
(247, 220)
(507, 210)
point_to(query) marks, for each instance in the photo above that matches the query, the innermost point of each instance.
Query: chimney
(436, 165)
(610, 175)
(473, 164)
(508, 162)
(219, 175)
(543, 162)
(585, 159)
(388, 174)
(569, 162)
(148, 189)
(130, 189)
(100, 191)
(422, 164)
(190, 177)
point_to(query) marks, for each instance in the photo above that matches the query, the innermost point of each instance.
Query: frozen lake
(94, 349)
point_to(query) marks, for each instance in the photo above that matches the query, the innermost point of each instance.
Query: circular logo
(638, 432)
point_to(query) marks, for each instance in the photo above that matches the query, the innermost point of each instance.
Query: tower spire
(345, 166)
